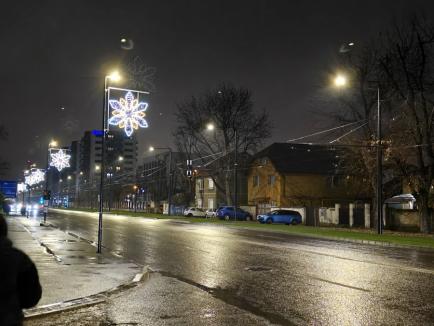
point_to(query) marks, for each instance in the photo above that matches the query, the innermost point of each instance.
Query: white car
(194, 211)
(211, 212)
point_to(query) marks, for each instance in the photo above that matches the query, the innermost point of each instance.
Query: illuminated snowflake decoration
(60, 160)
(128, 113)
(35, 177)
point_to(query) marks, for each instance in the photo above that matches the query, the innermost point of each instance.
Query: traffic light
(47, 194)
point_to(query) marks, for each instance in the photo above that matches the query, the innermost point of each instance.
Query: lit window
(210, 183)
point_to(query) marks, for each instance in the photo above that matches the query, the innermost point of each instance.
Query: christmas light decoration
(128, 113)
(21, 187)
(34, 177)
(60, 159)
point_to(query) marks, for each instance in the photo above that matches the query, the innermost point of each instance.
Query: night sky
(55, 54)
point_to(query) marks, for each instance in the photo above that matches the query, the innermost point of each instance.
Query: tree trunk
(228, 188)
(424, 213)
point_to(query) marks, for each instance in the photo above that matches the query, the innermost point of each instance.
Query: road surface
(275, 278)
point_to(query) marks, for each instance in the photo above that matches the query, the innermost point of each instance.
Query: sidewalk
(69, 268)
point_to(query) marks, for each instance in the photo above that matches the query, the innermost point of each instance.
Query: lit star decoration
(60, 160)
(36, 176)
(128, 113)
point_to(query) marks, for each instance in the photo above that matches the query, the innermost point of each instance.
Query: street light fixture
(210, 127)
(340, 81)
(115, 77)
(53, 143)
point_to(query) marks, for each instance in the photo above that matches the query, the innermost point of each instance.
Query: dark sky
(55, 54)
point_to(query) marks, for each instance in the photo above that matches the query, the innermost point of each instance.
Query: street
(277, 278)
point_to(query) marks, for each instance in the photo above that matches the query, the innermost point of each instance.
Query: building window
(210, 183)
(271, 179)
(200, 184)
(199, 203)
(210, 202)
(255, 180)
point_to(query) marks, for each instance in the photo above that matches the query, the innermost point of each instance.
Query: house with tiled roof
(304, 175)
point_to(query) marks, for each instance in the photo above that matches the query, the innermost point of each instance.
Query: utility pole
(235, 174)
(379, 168)
(101, 181)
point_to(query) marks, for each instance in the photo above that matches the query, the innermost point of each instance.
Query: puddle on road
(258, 269)
(229, 296)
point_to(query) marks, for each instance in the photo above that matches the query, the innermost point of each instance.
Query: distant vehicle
(228, 213)
(194, 212)
(16, 208)
(282, 216)
(210, 212)
(35, 209)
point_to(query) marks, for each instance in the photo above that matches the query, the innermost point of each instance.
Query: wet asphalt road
(281, 278)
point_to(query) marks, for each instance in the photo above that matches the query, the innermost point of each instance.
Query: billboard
(8, 188)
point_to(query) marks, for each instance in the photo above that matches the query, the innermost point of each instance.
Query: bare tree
(230, 110)
(401, 64)
(408, 67)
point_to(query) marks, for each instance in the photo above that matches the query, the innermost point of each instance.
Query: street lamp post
(341, 81)
(211, 127)
(114, 76)
(169, 196)
(236, 173)
(379, 168)
(52, 143)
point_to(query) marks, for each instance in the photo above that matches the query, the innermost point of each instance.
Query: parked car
(194, 211)
(283, 216)
(228, 213)
(210, 212)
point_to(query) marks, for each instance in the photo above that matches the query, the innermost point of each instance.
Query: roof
(302, 158)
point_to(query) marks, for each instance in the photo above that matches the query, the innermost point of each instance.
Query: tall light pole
(52, 143)
(379, 168)
(169, 196)
(341, 81)
(114, 77)
(211, 127)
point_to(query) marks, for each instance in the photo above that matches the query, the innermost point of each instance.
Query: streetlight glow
(114, 76)
(210, 126)
(121, 158)
(53, 143)
(340, 81)
(151, 148)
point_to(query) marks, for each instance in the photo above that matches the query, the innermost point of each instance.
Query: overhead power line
(347, 133)
(325, 131)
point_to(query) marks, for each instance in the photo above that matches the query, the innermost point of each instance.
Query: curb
(88, 300)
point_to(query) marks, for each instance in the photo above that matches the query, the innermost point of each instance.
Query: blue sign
(97, 133)
(8, 188)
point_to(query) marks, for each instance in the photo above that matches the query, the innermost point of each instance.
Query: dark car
(228, 213)
(282, 216)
